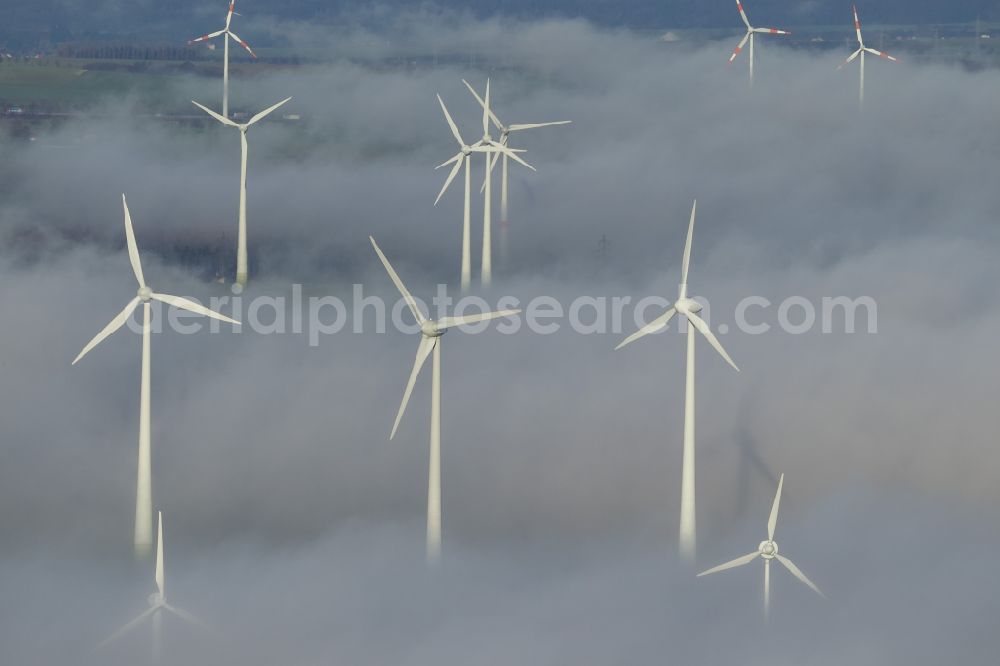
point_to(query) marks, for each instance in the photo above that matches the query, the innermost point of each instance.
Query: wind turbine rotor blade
(424, 350)
(881, 54)
(222, 119)
(703, 328)
(772, 31)
(486, 110)
(482, 103)
(743, 14)
(399, 284)
(526, 126)
(187, 617)
(159, 553)
(191, 306)
(239, 41)
(450, 160)
(511, 154)
(686, 263)
(772, 521)
(203, 38)
(128, 627)
(732, 564)
(798, 573)
(133, 249)
(451, 176)
(232, 10)
(739, 47)
(112, 326)
(451, 123)
(850, 59)
(652, 327)
(493, 156)
(857, 25)
(451, 322)
(268, 111)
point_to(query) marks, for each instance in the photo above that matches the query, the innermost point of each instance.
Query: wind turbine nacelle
(768, 549)
(686, 304)
(430, 330)
(155, 600)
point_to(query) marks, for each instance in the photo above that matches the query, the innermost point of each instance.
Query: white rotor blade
(880, 54)
(191, 306)
(423, 351)
(222, 119)
(772, 31)
(159, 553)
(112, 326)
(211, 35)
(772, 521)
(133, 249)
(451, 322)
(732, 564)
(184, 615)
(857, 25)
(399, 284)
(451, 123)
(743, 14)
(450, 160)
(739, 47)
(525, 126)
(128, 627)
(798, 573)
(266, 112)
(850, 59)
(482, 103)
(451, 177)
(703, 328)
(652, 327)
(239, 41)
(486, 110)
(687, 245)
(511, 154)
(495, 157)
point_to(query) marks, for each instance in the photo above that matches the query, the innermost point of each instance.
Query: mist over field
(295, 528)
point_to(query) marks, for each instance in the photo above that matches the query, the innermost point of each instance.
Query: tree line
(122, 51)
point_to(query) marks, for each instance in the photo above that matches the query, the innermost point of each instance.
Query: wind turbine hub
(430, 329)
(768, 549)
(688, 305)
(466, 150)
(155, 600)
(145, 294)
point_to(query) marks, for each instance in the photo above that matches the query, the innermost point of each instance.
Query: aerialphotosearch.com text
(316, 317)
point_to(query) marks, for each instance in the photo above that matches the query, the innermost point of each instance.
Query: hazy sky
(295, 528)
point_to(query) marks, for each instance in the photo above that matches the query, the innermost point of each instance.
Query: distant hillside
(43, 23)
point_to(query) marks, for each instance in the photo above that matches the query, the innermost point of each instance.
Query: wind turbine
(767, 550)
(241, 241)
(145, 295)
(862, 50)
(494, 146)
(229, 34)
(689, 309)
(157, 604)
(749, 36)
(430, 341)
(505, 131)
(464, 156)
